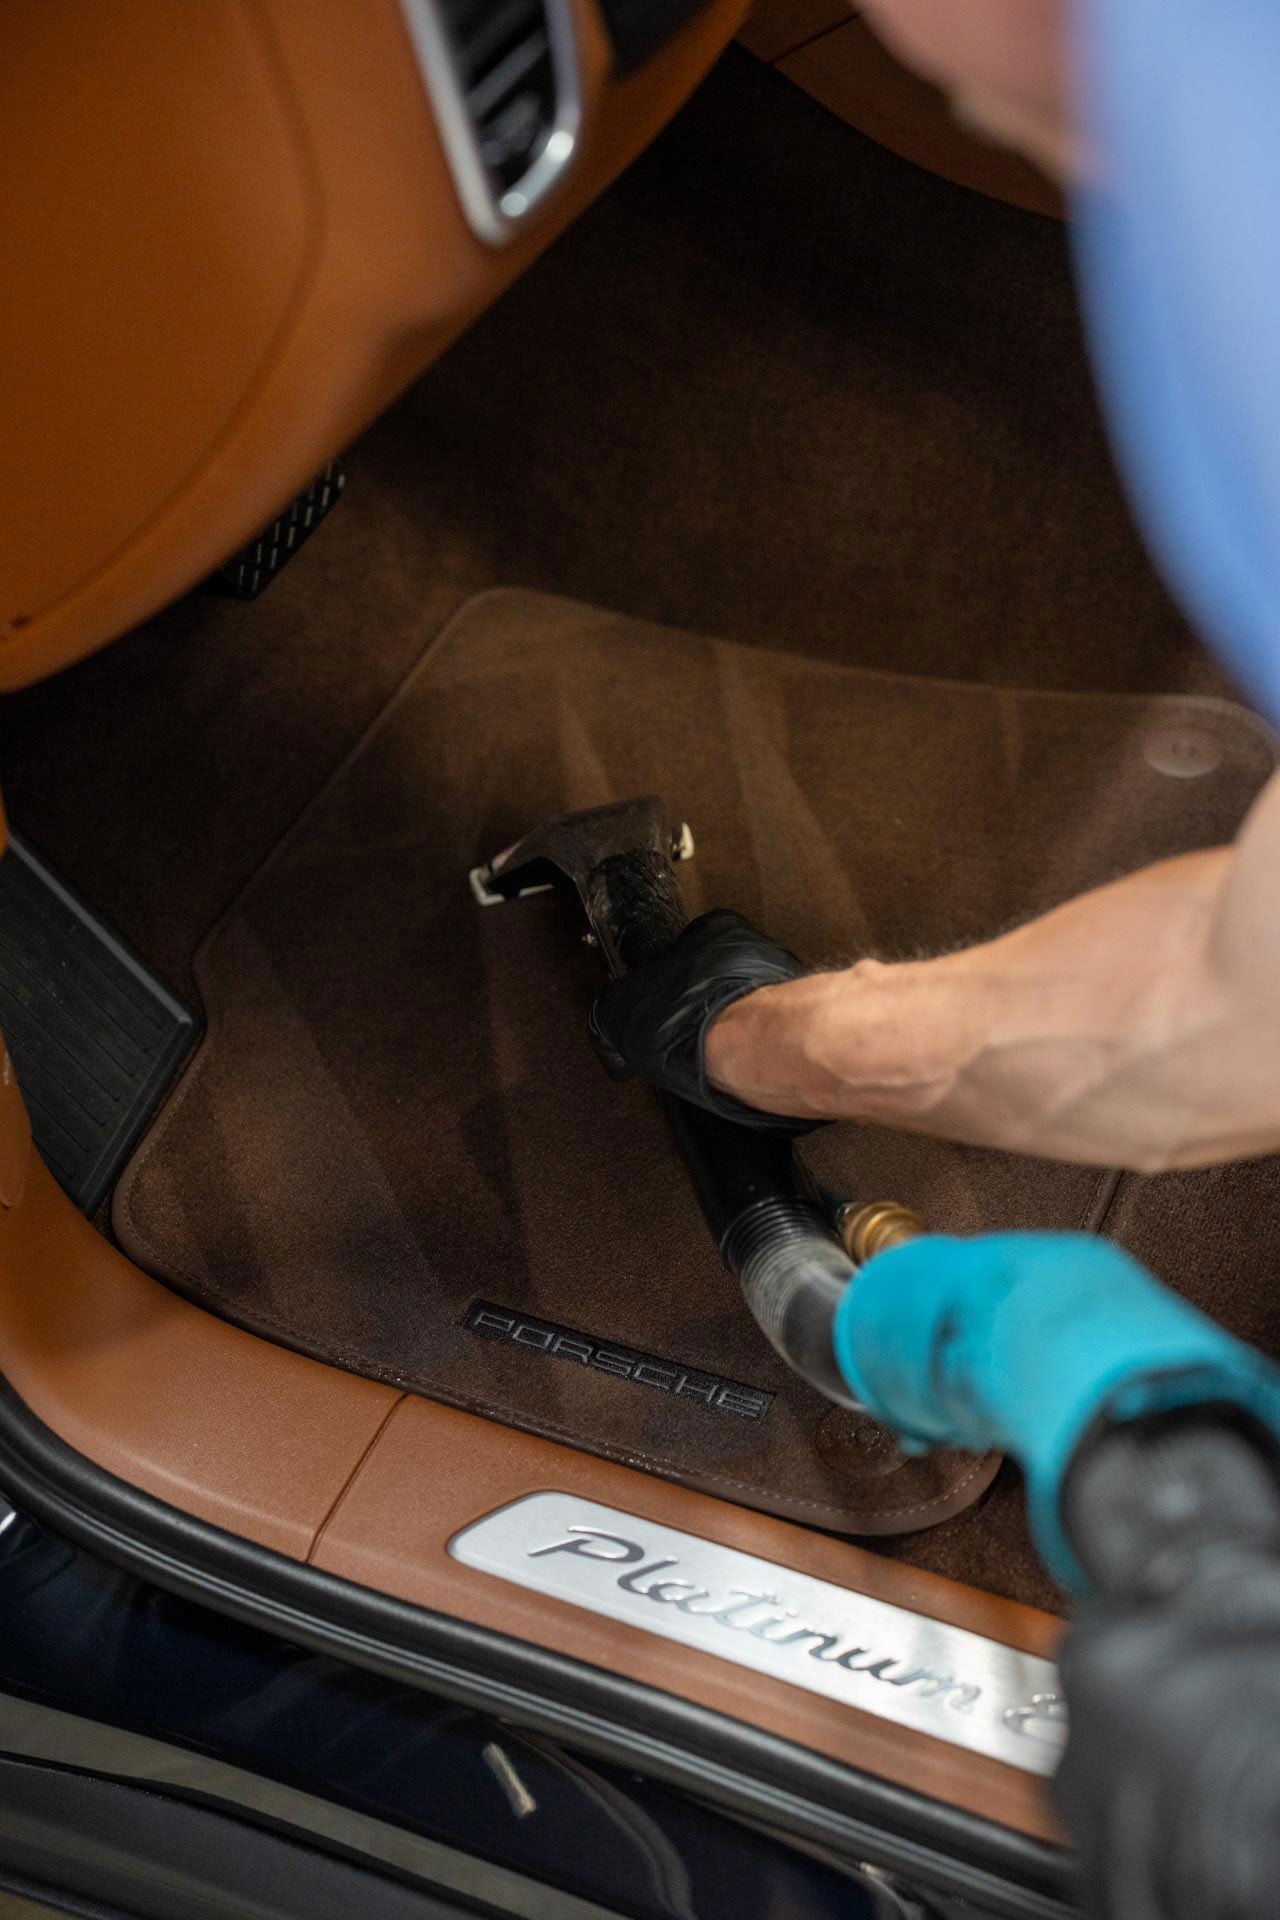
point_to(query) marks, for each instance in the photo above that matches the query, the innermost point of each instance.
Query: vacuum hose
(792, 1248)
(776, 1232)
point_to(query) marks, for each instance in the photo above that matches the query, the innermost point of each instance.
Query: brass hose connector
(875, 1226)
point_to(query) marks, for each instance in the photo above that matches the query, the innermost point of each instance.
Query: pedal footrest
(250, 571)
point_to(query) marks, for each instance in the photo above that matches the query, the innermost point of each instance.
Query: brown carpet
(396, 1115)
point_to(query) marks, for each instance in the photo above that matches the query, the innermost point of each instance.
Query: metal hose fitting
(875, 1226)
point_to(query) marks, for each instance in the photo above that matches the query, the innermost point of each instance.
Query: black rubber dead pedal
(250, 571)
(95, 1039)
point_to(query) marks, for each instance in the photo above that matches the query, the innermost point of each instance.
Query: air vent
(502, 75)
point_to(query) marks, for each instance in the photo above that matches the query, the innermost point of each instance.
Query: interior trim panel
(307, 133)
(361, 1482)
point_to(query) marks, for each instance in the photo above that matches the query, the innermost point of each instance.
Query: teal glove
(1020, 1341)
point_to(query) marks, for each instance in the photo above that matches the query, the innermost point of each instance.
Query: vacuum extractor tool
(792, 1246)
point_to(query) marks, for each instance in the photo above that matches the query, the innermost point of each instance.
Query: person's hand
(655, 1020)
(1024, 1342)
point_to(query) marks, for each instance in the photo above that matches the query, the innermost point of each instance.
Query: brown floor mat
(396, 1115)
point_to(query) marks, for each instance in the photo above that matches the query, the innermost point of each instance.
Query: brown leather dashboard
(232, 235)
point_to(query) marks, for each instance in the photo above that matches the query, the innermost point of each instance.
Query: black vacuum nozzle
(773, 1228)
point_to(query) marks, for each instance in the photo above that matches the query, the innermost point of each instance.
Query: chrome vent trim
(495, 210)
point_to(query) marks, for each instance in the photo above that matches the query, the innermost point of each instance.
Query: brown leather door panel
(231, 237)
(229, 1428)
(15, 1134)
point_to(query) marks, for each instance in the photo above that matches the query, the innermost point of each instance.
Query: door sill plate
(922, 1673)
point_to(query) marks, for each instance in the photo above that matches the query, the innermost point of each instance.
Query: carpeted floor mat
(395, 1118)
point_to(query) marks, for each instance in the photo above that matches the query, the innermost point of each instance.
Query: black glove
(654, 1021)
(1171, 1781)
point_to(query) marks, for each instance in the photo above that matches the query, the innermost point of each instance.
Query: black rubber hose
(769, 1225)
(1171, 1779)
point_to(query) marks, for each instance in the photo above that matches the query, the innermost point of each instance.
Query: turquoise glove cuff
(1020, 1341)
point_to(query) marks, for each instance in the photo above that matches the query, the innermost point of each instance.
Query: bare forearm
(1122, 1029)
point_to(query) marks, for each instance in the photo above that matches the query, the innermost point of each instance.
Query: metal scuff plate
(907, 1667)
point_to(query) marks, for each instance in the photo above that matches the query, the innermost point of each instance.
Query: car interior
(422, 420)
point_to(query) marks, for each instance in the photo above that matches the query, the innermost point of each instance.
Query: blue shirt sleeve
(1178, 256)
